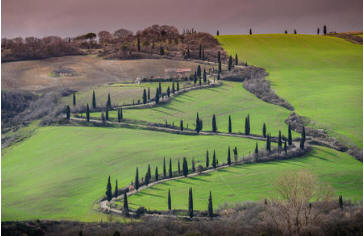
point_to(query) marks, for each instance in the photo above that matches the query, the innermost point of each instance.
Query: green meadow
(320, 76)
(120, 93)
(229, 99)
(60, 172)
(253, 182)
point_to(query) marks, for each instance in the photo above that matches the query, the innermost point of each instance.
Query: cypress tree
(156, 173)
(248, 119)
(68, 112)
(219, 62)
(193, 165)
(230, 65)
(107, 112)
(87, 113)
(264, 131)
(285, 32)
(325, 30)
(268, 143)
(218, 75)
(93, 100)
(169, 200)
(199, 81)
(228, 157)
(157, 96)
(214, 164)
(74, 99)
(145, 96)
(304, 133)
(199, 71)
(148, 94)
(121, 113)
(198, 124)
(246, 126)
(285, 146)
(207, 159)
(181, 125)
(160, 88)
(108, 104)
(190, 203)
(318, 31)
(108, 190)
(136, 182)
(214, 127)
(235, 150)
(164, 168)
(168, 92)
(200, 52)
(170, 168)
(195, 78)
(126, 205)
(236, 59)
(173, 88)
(256, 151)
(149, 173)
(185, 167)
(230, 128)
(204, 76)
(302, 142)
(217, 33)
(177, 85)
(295, 31)
(179, 168)
(279, 142)
(116, 191)
(289, 135)
(250, 31)
(341, 202)
(210, 209)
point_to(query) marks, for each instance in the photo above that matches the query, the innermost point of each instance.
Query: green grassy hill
(320, 76)
(255, 181)
(60, 172)
(229, 99)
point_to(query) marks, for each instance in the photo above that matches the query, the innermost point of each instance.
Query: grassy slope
(120, 93)
(254, 182)
(60, 171)
(229, 99)
(320, 76)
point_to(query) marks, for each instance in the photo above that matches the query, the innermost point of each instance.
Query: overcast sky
(74, 17)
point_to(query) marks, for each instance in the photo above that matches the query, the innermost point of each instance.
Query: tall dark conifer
(198, 124)
(303, 133)
(126, 205)
(190, 203)
(279, 141)
(285, 146)
(250, 31)
(148, 94)
(168, 92)
(136, 181)
(169, 200)
(199, 71)
(235, 150)
(207, 159)
(236, 59)
(185, 167)
(170, 168)
(214, 161)
(121, 113)
(228, 157)
(179, 168)
(318, 31)
(214, 127)
(219, 62)
(68, 112)
(157, 96)
(230, 63)
(204, 76)
(325, 30)
(268, 146)
(93, 100)
(87, 113)
(210, 208)
(107, 112)
(108, 190)
(264, 131)
(200, 52)
(108, 104)
(156, 174)
(145, 96)
(177, 86)
(230, 128)
(289, 135)
(116, 191)
(173, 88)
(74, 99)
(164, 168)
